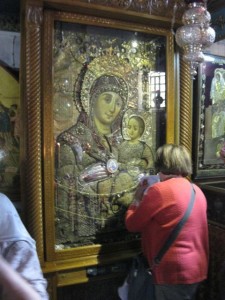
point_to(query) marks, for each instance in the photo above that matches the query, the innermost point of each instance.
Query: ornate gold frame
(38, 149)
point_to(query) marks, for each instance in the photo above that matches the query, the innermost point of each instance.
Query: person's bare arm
(14, 285)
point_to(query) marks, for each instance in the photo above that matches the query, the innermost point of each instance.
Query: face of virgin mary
(107, 107)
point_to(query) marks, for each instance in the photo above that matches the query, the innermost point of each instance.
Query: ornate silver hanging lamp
(196, 34)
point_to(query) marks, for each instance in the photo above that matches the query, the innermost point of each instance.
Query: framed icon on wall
(96, 80)
(210, 118)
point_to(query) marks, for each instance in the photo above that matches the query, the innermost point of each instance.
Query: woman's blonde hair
(173, 159)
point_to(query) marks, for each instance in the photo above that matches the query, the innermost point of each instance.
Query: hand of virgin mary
(94, 172)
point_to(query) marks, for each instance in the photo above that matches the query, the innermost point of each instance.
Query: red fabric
(162, 206)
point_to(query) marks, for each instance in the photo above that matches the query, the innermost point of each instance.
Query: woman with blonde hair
(156, 211)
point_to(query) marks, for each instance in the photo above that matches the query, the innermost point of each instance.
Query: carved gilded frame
(38, 150)
(49, 191)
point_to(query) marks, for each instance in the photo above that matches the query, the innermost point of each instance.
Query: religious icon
(103, 136)
(93, 191)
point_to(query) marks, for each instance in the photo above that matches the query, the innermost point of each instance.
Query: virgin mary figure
(92, 193)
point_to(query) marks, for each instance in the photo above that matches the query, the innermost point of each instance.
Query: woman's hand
(139, 193)
(145, 182)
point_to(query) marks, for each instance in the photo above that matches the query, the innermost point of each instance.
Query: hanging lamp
(196, 34)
